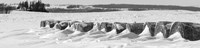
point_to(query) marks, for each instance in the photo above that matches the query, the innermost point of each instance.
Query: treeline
(137, 7)
(32, 6)
(5, 9)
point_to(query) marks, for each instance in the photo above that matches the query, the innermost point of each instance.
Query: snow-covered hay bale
(120, 27)
(106, 26)
(62, 25)
(84, 26)
(49, 23)
(190, 31)
(151, 26)
(136, 28)
(161, 29)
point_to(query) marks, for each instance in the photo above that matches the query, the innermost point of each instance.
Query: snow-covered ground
(16, 29)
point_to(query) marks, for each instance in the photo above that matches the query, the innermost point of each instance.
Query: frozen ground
(14, 28)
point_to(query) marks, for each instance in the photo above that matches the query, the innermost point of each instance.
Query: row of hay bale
(161, 29)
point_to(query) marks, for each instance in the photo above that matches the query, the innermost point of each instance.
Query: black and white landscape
(41, 24)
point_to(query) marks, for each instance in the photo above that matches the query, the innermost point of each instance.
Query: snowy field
(17, 30)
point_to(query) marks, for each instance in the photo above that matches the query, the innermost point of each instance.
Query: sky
(90, 2)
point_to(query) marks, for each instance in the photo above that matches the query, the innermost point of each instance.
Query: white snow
(20, 29)
(176, 37)
(159, 35)
(145, 32)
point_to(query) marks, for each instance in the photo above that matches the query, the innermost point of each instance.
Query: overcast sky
(157, 2)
